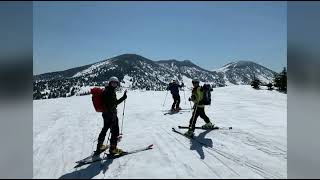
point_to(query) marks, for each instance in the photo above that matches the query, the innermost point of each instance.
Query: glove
(189, 99)
(192, 98)
(125, 94)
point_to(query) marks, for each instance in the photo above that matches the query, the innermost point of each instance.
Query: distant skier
(198, 99)
(110, 118)
(174, 89)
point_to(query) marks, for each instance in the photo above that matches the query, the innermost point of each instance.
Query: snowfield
(66, 129)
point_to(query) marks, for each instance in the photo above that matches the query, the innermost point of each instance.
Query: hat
(195, 81)
(113, 79)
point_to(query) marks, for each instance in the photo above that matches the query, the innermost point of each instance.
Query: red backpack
(98, 104)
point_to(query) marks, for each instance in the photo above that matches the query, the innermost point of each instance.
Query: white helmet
(113, 79)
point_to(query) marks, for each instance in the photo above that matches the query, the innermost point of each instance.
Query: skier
(110, 118)
(174, 89)
(197, 97)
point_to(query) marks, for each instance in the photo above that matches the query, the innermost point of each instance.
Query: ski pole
(124, 107)
(165, 99)
(184, 92)
(194, 114)
(190, 105)
(120, 135)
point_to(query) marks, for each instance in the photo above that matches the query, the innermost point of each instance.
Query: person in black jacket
(110, 118)
(174, 89)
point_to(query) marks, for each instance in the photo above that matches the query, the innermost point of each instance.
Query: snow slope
(65, 130)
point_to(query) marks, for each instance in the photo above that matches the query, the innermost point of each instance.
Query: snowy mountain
(65, 130)
(189, 70)
(243, 72)
(137, 72)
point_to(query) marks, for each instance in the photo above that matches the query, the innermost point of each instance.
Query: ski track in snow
(66, 129)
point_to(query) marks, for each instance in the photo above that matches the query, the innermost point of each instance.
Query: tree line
(279, 82)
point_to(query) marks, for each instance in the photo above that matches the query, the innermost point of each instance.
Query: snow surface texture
(65, 130)
(92, 69)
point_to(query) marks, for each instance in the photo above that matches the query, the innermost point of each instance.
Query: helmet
(195, 81)
(114, 79)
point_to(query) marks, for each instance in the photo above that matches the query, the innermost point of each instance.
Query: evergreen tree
(256, 83)
(270, 86)
(281, 81)
(72, 91)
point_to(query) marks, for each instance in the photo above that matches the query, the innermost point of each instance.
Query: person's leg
(178, 103)
(174, 102)
(106, 126)
(203, 115)
(114, 134)
(206, 119)
(193, 120)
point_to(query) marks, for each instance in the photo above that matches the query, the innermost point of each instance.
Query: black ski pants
(110, 120)
(199, 111)
(176, 102)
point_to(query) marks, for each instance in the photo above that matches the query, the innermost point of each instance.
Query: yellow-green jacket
(197, 96)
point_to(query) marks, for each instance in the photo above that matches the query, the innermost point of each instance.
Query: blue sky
(210, 34)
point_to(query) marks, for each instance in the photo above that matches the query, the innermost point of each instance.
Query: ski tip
(150, 146)
(230, 127)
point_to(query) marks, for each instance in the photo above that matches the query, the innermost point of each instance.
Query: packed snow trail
(66, 129)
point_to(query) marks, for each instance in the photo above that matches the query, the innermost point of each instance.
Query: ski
(214, 128)
(173, 112)
(92, 157)
(192, 138)
(170, 112)
(98, 158)
(186, 110)
(129, 152)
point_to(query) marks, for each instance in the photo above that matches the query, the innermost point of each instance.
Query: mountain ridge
(137, 72)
